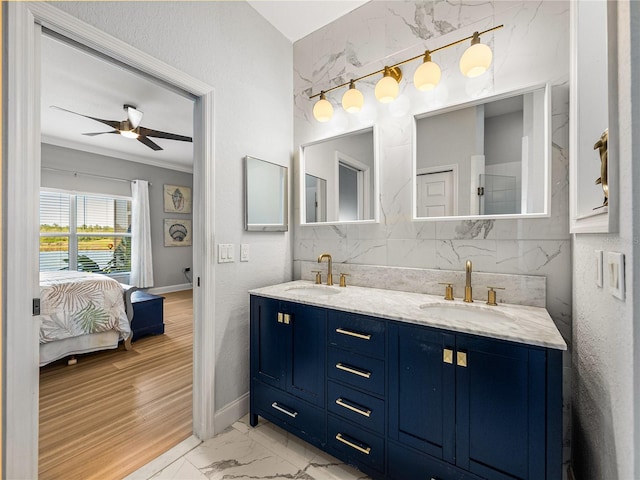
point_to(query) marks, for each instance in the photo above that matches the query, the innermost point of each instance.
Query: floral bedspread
(77, 303)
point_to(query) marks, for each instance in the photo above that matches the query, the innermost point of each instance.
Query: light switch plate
(225, 252)
(615, 274)
(599, 279)
(244, 252)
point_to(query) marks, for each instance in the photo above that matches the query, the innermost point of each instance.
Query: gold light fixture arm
(395, 66)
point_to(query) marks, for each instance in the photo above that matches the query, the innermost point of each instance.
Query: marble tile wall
(518, 289)
(531, 49)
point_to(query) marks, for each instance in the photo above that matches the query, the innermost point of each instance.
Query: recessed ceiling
(297, 19)
(80, 81)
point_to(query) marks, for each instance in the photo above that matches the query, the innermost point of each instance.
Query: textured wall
(231, 47)
(605, 361)
(532, 48)
(168, 262)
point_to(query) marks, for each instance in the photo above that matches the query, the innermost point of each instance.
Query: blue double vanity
(409, 386)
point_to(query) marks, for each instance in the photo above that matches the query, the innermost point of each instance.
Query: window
(89, 233)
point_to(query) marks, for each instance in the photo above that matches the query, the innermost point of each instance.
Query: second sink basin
(314, 290)
(468, 311)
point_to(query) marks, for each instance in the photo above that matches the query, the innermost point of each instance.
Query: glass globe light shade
(387, 88)
(323, 110)
(476, 59)
(352, 100)
(427, 75)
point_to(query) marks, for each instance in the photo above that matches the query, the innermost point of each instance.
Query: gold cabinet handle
(284, 410)
(447, 356)
(364, 336)
(355, 371)
(340, 438)
(280, 317)
(462, 359)
(364, 413)
(287, 319)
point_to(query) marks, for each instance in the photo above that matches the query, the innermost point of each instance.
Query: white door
(435, 194)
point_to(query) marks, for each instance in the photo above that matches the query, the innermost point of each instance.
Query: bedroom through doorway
(116, 408)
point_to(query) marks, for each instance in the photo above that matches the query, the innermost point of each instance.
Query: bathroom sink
(467, 312)
(314, 290)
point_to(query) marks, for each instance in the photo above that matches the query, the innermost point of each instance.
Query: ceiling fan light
(129, 134)
(476, 59)
(387, 89)
(323, 110)
(427, 76)
(352, 100)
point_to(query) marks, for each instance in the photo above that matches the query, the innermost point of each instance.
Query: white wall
(606, 329)
(531, 49)
(230, 46)
(168, 262)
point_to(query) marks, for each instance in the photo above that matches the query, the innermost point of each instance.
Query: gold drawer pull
(447, 355)
(462, 359)
(364, 413)
(284, 410)
(355, 371)
(364, 336)
(340, 438)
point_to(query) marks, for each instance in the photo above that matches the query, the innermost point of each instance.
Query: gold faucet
(468, 295)
(329, 274)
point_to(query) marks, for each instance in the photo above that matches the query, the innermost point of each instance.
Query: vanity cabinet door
(306, 353)
(500, 409)
(422, 389)
(270, 339)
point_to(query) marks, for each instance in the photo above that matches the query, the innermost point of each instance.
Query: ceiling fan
(131, 128)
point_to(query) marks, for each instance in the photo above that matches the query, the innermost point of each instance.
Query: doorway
(436, 192)
(25, 21)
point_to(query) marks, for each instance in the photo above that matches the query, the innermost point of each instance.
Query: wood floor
(116, 410)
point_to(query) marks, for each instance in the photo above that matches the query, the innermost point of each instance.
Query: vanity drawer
(356, 332)
(280, 407)
(356, 370)
(407, 464)
(356, 406)
(354, 445)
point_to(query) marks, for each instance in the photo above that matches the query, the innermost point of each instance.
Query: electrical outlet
(244, 252)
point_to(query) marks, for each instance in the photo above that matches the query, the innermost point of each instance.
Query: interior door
(435, 194)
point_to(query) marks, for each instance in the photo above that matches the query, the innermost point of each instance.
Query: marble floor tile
(242, 452)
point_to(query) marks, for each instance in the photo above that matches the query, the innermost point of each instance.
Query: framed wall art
(177, 232)
(177, 199)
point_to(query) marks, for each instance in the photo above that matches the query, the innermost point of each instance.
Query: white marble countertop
(515, 323)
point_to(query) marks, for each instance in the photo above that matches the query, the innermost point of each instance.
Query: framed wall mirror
(487, 159)
(266, 193)
(339, 179)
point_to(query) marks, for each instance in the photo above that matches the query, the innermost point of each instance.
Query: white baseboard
(168, 289)
(230, 413)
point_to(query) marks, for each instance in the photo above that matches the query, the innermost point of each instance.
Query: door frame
(24, 22)
(363, 172)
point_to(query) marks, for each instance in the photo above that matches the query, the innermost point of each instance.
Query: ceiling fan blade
(134, 115)
(149, 143)
(148, 132)
(112, 123)
(93, 134)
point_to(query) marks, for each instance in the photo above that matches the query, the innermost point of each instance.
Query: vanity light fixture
(387, 88)
(474, 62)
(323, 110)
(427, 75)
(476, 59)
(352, 100)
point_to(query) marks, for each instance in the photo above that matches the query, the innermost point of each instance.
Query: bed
(82, 312)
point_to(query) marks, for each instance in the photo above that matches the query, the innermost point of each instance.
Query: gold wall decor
(602, 146)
